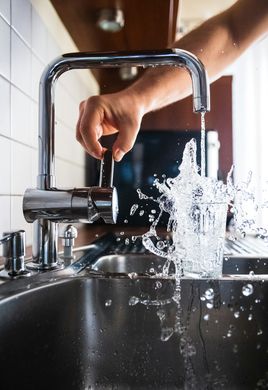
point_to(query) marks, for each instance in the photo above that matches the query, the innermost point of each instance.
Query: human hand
(107, 114)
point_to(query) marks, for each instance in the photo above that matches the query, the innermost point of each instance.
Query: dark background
(156, 154)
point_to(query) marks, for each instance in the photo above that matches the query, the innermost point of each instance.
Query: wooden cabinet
(149, 25)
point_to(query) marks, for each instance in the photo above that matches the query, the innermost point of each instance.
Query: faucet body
(45, 230)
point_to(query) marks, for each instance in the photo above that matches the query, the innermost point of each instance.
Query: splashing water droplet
(160, 245)
(250, 316)
(133, 209)
(209, 293)
(158, 284)
(133, 275)
(141, 195)
(177, 197)
(235, 348)
(247, 289)
(166, 333)
(108, 302)
(236, 314)
(133, 301)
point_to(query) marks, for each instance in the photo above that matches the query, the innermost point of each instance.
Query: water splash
(197, 209)
(196, 206)
(203, 144)
(133, 209)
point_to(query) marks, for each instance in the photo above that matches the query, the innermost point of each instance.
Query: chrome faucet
(46, 205)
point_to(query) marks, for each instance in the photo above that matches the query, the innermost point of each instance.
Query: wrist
(155, 89)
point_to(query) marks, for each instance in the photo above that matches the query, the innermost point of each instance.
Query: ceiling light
(111, 19)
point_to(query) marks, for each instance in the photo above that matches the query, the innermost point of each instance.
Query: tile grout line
(32, 101)
(79, 165)
(2, 16)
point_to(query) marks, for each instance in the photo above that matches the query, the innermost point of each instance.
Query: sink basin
(150, 264)
(82, 333)
(101, 329)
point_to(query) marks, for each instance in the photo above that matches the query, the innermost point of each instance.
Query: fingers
(89, 128)
(78, 134)
(99, 115)
(125, 140)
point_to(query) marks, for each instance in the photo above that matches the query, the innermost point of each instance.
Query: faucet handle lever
(107, 170)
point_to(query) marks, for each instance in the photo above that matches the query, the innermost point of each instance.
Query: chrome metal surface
(105, 196)
(68, 236)
(146, 264)
(13, 253)
(81, 332)
(107, 170)
(45, 230)
(106, 201)
(246, 247)
(172, 57)
(96, 325)
(73, 205)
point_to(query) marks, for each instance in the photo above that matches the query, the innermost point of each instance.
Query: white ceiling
(194, 12)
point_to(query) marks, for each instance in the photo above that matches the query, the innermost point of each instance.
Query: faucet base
(5, 274)
(45, 267)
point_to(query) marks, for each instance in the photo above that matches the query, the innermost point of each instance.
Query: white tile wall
(21, 158)
(5, 107)
(5, 40)
(37, 69)
(5, 160)
(17, 220)
(5, 9)
(5, 220)
(39, 37)
(26, 46)
(21, 19)
(20, 63)
(21, 116)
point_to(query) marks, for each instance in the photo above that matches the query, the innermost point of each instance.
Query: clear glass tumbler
(200, 233)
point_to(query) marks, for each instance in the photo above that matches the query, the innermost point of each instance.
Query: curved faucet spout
(173, 57)
(45, 233)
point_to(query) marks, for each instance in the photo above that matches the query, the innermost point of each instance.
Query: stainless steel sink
(101, 329)
(146, 264)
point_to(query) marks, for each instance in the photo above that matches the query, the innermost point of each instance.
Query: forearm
(217, 43)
